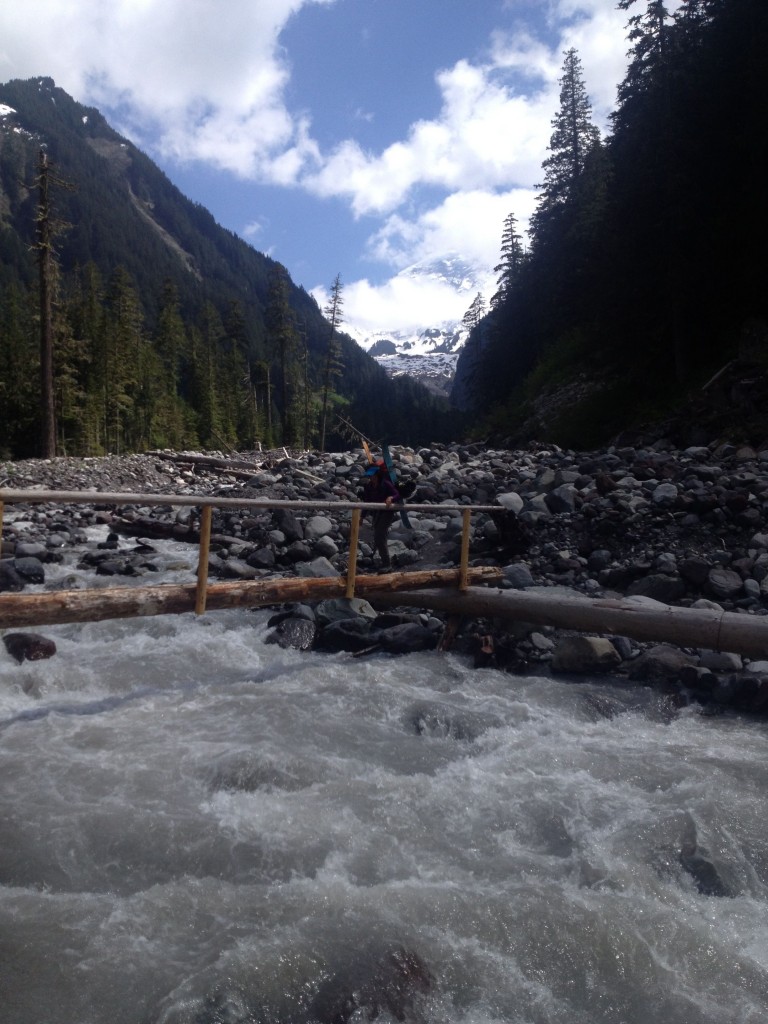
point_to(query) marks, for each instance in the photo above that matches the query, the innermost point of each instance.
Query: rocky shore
(680, 527)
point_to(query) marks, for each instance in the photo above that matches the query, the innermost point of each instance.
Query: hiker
(380, 489)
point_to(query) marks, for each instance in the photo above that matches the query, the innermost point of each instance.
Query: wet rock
(351, 635)
(697, 862)
(393, 983)
(337, 608)
(29, 646)
(407, 638)
(660, 663)
(296, 632)
(318, 568)
(584, 654)
(10, 580)
(29, 568)
(445, 722)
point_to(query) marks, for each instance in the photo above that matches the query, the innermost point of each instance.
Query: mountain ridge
(428, 351)
(122, 211)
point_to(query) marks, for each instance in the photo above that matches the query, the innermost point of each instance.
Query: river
(198, 826)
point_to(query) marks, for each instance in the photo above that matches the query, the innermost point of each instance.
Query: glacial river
(197, 827)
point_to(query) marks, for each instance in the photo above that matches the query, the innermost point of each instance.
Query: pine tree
(332, 364)
(19, 355)
(573, 137)
(475, 313)
(121, 360)
(649, 55)
(512, 257)
(282, 335)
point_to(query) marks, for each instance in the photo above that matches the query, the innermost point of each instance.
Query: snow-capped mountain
(428, 351)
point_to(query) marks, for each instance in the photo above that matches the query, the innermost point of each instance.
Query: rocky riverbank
(681, 527)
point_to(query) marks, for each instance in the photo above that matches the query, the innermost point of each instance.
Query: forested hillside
(645, 271)
(165, 329)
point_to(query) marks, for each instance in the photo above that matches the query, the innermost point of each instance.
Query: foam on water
(194, 818)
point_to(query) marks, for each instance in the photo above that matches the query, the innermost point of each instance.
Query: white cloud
(402, 303)
(202, 80)
(467, 222)
(485, 137)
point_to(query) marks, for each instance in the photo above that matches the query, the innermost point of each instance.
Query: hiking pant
(381, 524)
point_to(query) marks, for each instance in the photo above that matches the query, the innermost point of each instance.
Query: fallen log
(19, 610)
(210, 462)
(711, 629)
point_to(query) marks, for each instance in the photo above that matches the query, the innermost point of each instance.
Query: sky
(350, 137)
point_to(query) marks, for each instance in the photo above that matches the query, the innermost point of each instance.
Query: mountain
(118, 214)
(428, 352)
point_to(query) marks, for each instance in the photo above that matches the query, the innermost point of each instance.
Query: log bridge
(462, 591)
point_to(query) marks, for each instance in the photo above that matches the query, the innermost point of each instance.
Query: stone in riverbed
(584, 654)
(29, 646)
(10, 580)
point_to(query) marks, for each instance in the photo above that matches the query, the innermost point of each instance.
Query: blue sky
(339, 136)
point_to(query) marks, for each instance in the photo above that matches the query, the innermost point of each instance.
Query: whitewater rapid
(191, 817)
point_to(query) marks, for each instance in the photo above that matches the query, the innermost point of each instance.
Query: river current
(198, 826)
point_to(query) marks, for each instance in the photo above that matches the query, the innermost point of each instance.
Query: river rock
(10, 580)
(317, 527)
(338, 608)
(584, 654)
(407, 638)
(29, 646)
(30, 569)
(389, 984)
(294, 631)
(724, 583)
(347, 635)
(661, 662)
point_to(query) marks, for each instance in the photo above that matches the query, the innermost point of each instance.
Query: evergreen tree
(332, 364)
(206, 339)
(121, 360)
(574, 136)
(475, 313)
(649, 50)
(19, 357)
(512, 256)
(282, 335)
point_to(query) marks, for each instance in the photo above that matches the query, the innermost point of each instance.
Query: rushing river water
(198, 826)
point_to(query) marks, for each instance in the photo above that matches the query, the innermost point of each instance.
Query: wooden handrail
(37, 606)
(17, 497)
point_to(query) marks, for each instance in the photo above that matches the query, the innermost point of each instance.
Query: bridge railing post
(354, 534)
(464, 563)
(202, 566)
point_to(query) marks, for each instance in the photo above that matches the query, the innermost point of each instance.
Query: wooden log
(706, 628)
(22, 610)
(210, 462)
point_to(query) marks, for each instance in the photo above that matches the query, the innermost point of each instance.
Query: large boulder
(294, 631)
(584, 655)
(10, 580)
(338, 608)
(29, 646)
